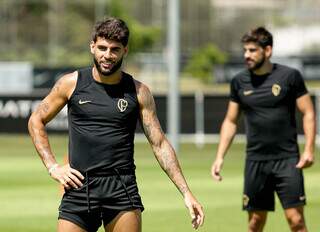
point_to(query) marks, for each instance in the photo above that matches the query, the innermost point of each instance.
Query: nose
(108, 54)
(246, 54)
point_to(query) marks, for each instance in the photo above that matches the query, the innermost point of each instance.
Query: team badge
(276, 89)
(245, 200)
(122, 104)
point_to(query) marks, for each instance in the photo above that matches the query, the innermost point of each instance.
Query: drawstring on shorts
(106, 173)
(124, 186)
(87, 190)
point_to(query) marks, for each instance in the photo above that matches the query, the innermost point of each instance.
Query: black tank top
(102, 123)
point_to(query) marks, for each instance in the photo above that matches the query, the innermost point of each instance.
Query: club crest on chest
(276, 89)
(122, 104)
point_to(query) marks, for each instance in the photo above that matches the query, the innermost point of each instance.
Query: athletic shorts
(265, 178)
(100, 199)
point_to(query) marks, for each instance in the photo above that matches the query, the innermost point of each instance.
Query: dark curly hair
(113, 29)
(258, 35)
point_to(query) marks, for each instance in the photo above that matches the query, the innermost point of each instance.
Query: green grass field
(29, 198)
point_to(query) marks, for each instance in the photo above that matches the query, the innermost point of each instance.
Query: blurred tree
(141, 37)
(57, 33)
(202, 61)
(77, 34)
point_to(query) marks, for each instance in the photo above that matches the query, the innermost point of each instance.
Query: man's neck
(264, 69)
(112, 79)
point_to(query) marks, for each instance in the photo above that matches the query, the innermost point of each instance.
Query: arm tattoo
(162, 149)
(57, 86)
(39, 135)
(170, 164)
(43, 108)
(47, 109)
(147, 130)
(40, 139)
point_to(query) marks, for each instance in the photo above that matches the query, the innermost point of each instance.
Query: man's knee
(296, 222)
(295, 219)
(257, 220)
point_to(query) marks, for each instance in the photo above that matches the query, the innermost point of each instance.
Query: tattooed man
(104, 105)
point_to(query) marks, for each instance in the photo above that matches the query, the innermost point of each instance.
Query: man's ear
(268, 51)
(92, 45)
(126, 51)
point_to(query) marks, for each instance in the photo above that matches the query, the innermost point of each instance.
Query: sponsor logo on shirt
(81, 102)
(122, 104)
(247, 92)
(276, 89)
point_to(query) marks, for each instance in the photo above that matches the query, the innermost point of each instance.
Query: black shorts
(264, 178)
(100, 199)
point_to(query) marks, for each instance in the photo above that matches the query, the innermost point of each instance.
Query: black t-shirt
(269, 104)
(102, 123)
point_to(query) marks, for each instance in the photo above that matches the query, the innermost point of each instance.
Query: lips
(106, 65)
(249, 62)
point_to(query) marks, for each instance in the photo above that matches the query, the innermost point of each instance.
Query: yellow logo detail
(276, 89)
(247, 92)
(245, 200)
(302, 198)
(81, 102)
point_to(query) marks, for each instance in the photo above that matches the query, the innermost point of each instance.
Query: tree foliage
(142, 37)
(57, 33)
(202, 62)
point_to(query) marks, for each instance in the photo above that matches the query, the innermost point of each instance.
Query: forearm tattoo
(39, 134)
(161, 147)
(168, 161)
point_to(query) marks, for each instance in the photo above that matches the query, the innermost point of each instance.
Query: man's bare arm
(227, 133)
(305, 106)
(161, 147)
(165, 153)
(48, 109)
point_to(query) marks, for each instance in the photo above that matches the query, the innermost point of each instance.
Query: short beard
(111, 71)
(258, 65)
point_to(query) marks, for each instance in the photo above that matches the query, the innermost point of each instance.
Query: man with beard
(104, 105)
(268, 94)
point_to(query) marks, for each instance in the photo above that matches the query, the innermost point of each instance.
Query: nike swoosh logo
(302, 198)
(83, 102)
(248, 92)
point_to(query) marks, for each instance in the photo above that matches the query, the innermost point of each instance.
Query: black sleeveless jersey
(102, 122)
(269, 105)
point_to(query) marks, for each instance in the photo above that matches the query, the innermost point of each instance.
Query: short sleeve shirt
(269, 105)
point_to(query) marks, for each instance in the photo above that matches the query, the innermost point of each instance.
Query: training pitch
(30, 198)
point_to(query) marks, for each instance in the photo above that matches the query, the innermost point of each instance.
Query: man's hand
(306, 160)
(67, 176)
(195, 210)
(216, 169)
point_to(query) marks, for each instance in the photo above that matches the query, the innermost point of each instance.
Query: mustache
(107, 60)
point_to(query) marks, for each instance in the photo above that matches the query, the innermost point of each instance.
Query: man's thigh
(124, 220)
(258, 194)
(289, 183)
(65, 225)
(79, 221)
